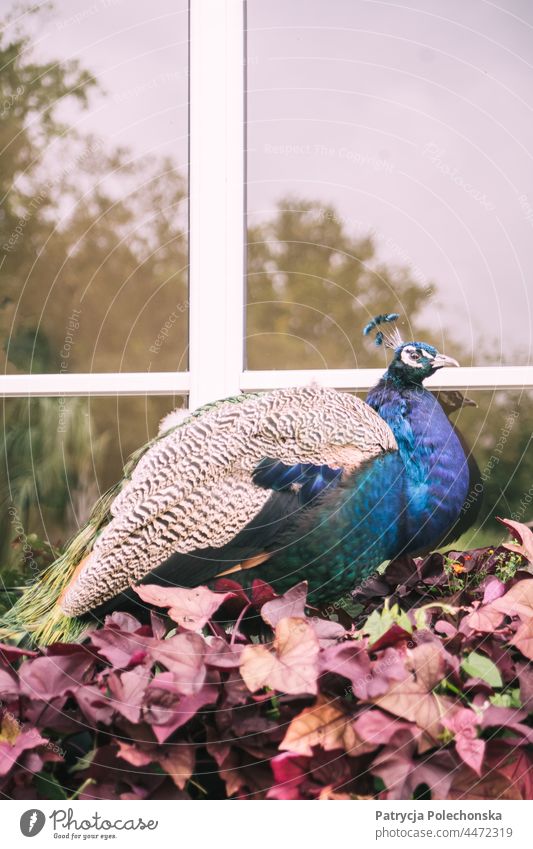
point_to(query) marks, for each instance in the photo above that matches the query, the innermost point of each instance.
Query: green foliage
(380, 621)
(479, 666)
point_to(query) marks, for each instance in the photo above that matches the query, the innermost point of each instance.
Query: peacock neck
(436, 469)
(401, 404)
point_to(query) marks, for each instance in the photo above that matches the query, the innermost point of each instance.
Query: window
(376, 169)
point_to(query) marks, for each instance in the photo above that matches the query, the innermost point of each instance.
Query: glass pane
(93, 165)
(57, 456)
(497, 430)
(389, 168)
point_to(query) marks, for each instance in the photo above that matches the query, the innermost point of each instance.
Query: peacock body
(404, 501)
(307, 483)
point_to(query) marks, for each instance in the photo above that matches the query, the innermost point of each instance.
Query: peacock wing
(195, 489)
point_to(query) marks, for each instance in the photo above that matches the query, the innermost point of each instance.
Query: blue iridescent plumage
(402, 502)
(311, 480)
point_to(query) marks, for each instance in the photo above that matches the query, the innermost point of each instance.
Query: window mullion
(216, 188)
(466, 379)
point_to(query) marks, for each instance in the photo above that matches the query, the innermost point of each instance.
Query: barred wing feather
(193, 490)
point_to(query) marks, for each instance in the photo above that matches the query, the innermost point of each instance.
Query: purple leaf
(350, 660)
(9, 654)
(121, 648)
(46, 677)
(493, 590)
(94, 705)
(9, 685)
(183, 655)
(376, 728)
(261, 593)
(189, 608)
(289, 772)
(523, 536)
(14, 740)
(127, 690)
(289, 605)
(166, 711)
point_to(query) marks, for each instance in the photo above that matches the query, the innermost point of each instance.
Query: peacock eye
(415, 355)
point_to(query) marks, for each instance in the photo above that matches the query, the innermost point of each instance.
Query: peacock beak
(442, 361)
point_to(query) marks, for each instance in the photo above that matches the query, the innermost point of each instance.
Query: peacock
(304, 483)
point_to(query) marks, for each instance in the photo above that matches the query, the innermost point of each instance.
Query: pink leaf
(135, 756)
(221, 654)
(94, 704)
(494, 589)
(189, 608)
(9, 685)
(483, 618)
(289, 772)
(183, 655)
(291, 666)
(14, 740)
(376, 728)
(471, 750)
(46, 677)
(120, 648)
(518, 601)
(166, 712)
(523, 639)
(413, 698)
(326, 631)
(523, 534)
(291, 604)
(324, 724)
(128, 691)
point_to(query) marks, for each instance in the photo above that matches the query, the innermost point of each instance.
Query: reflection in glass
(57, 456)
(389, 168)
(93, 163)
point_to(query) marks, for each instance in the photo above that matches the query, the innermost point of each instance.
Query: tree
(311, 287)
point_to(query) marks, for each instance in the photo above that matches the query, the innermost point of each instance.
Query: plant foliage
(426, 694)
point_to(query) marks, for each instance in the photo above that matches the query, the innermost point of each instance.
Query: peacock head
(412, 361)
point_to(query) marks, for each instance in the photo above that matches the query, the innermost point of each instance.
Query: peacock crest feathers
(390, 337)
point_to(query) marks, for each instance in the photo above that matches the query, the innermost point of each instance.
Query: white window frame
(217, 252)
